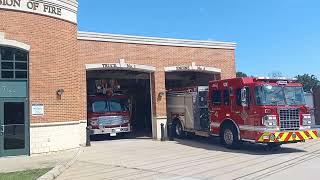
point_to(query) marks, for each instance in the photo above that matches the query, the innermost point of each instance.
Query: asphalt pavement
(193, 159)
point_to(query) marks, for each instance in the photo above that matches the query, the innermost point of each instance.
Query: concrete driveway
(197, 158)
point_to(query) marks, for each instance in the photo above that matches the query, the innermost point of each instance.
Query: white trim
(256, 128)
(57, 123)
(249, 140)
(83, 121)
(13, 43)
(62, 9)
(193, 67)
(162, 117)
(122, 65)
(91, 36)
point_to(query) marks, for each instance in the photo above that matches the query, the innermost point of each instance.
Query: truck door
(215, 102)
(244, 115)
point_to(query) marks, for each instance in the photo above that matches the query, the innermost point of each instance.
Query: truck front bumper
(287, 136)
(112, 131)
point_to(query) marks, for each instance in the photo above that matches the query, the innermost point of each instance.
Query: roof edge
(105, 37)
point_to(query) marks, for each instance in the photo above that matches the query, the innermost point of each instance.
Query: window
(13, 63)
(239, 100)
(216, 97)
(226, 97)
(110, 105)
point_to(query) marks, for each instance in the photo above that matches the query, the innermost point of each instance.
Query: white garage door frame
(122, 65)
(193, 68)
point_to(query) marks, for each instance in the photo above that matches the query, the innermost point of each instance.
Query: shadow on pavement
(213, 144)
(118, 137)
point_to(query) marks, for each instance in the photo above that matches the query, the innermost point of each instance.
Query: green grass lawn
(24, 175)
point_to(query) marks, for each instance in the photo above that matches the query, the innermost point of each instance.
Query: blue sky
(271, 36)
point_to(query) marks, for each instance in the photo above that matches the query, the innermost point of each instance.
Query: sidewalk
(21, 163)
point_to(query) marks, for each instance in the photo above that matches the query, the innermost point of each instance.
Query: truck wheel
(178, 130)
(229, 137)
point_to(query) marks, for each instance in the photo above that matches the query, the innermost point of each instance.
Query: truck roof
(260, 80)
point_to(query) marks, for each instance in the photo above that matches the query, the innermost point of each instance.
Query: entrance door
(14, 128)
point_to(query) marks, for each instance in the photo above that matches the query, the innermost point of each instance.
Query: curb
(60, 168)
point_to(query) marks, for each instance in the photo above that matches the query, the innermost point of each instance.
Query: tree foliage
(241, 74)
(308, 81)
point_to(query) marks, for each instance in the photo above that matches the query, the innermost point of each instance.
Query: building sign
(37, 109)
(12, 89)
(59, 9)
(122, 65)
(186, 68)
(193, 67)
(128, 66)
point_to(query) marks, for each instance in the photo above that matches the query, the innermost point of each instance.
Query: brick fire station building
(46, 65)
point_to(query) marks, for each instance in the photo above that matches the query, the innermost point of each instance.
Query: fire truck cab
(260, 110)
(109, 114)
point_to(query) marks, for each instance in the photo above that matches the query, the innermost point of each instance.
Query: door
(14, 127)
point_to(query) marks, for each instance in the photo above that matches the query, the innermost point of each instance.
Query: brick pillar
(158, 103)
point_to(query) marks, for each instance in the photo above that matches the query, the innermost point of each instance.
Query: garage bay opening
(119, 103)
(187, 100)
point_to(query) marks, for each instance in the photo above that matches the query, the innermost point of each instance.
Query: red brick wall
(91, 52)
(57, 60)
(53, 63)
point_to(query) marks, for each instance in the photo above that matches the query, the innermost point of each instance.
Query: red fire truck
(109, 114)
(260, 110)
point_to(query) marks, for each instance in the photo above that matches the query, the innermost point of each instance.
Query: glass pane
(7, 65)
(14, 119)
(21, 75)
(21, 66)
(7, 54)
(7, 74)
(21, 56)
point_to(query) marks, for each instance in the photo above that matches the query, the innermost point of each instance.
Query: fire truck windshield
(279, 95)
(111, 105)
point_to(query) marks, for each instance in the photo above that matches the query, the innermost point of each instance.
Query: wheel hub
(228, 136)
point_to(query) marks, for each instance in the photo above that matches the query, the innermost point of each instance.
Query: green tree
(308, 81)
(241, 74)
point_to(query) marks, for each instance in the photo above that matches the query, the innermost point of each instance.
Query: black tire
(177, 130)
(229, 137)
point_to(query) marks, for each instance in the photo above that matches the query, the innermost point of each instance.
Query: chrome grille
(289, 119)
(110, 120)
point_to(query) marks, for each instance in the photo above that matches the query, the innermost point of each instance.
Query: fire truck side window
(216, 97)
(226, 97)
(239, 96)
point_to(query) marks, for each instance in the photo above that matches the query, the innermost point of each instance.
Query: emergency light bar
(276, 78)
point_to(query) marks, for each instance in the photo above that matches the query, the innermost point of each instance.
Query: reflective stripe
(215, 124)
(288, 136)
(313, 134)
(252, 128)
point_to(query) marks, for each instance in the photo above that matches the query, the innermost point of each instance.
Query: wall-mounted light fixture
(60, 92)
(161, 94)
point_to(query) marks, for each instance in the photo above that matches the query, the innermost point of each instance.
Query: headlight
(125, 120)
(270, 120)
(93, 122)
(306, 120)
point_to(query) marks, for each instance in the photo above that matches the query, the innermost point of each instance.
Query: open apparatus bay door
(119, 99)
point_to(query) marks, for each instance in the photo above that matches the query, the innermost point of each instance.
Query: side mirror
(244, 101)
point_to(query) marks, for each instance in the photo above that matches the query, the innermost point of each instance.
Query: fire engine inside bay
(121, 99)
